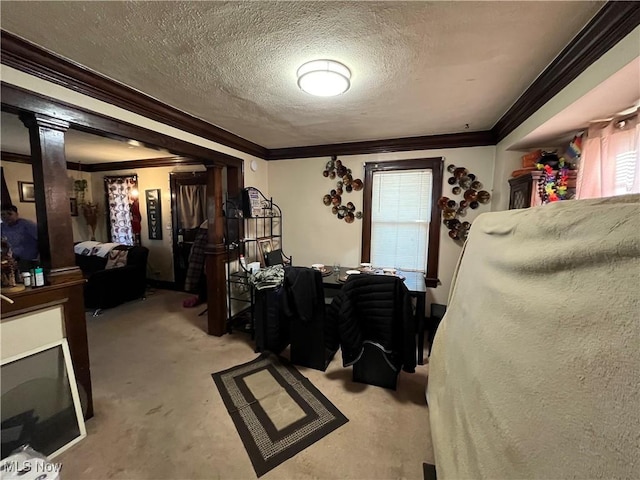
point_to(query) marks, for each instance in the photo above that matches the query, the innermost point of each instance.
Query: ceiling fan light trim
(324, 78)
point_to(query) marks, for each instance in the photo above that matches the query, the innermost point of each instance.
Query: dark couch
(107, 288)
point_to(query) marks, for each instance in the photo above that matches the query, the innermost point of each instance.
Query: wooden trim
(611, 24)
(144, 163)
(436, 165)
(15, 157)
(110, 166)
(175, 180)
(69, 296)
(427, 142)
(26, 159)
(17, 100)
(34, 60)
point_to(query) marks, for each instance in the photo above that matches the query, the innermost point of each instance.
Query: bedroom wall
(507, 161)
(312, 234)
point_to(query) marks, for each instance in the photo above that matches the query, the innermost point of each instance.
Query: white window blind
(400, 214)
(627, 165)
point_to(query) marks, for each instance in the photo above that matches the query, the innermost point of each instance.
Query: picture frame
(154, 213)
(73, 204)
(265, 246)
(27, 192)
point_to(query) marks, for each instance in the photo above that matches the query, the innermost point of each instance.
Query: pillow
(116, 259)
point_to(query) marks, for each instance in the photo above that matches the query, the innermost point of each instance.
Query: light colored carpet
(158, 414)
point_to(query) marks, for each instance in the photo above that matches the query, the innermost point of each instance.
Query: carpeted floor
(159, 415)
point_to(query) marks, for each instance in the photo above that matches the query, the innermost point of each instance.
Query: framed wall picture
(264, 247)
(26, 191)
(73, 204)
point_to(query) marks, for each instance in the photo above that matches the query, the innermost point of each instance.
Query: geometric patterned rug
(277, 411)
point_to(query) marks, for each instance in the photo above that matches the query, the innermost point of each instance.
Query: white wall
(312, 234)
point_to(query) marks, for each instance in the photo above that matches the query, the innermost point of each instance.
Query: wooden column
(69, 296)
(216, 255)
(51, 185)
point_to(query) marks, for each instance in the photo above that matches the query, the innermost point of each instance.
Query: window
(610, 161)
(626, 168)
(401, 226)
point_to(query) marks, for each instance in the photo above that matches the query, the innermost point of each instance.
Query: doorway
(188, 212)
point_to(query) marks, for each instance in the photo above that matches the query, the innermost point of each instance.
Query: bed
(535, 368)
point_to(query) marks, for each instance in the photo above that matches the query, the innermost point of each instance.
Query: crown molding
(427, 142)
(614, 21)
(34, 60)
(26, 159)
(18, 100)
(15, 157)
(108, 166)
(144, 163)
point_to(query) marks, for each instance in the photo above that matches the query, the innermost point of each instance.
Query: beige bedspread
(535, 369)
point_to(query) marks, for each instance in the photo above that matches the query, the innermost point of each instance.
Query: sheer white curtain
(610, 161)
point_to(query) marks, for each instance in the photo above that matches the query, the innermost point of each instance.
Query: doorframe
(180, 178)
(19, 100)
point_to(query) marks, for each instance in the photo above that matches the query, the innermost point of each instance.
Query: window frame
(435, 164)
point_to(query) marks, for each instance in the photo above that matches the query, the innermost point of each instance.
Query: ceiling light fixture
(324, 78)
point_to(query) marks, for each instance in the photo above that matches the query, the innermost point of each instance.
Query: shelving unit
(250, 219)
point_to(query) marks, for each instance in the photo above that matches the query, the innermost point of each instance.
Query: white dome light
(324, 78)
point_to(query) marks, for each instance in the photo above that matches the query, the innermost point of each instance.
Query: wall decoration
(465, 184)
(80, 187)
(154, 213)
(265, 247)
(345, 184)
(552, 185)
(90, 212)
(26, 191)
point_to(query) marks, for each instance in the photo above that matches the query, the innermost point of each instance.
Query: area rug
(277, 411)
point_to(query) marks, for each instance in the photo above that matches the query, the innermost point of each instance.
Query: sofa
(110, 287)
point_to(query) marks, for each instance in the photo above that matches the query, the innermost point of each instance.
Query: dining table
(415, 282)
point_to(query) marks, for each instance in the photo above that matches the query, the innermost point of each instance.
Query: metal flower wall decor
(465, 184)
(346, 183)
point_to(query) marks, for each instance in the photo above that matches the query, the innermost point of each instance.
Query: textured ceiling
(418, 68)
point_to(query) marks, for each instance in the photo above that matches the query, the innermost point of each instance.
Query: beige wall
(160, 257)
(313, 235)
(507, 161)
(19, 172)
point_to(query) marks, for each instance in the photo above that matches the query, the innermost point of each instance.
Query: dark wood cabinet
(524, 189)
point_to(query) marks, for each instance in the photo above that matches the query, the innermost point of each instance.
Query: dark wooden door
(184, 225)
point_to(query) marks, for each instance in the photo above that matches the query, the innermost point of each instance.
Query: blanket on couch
(534, 369)
(90, 247)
